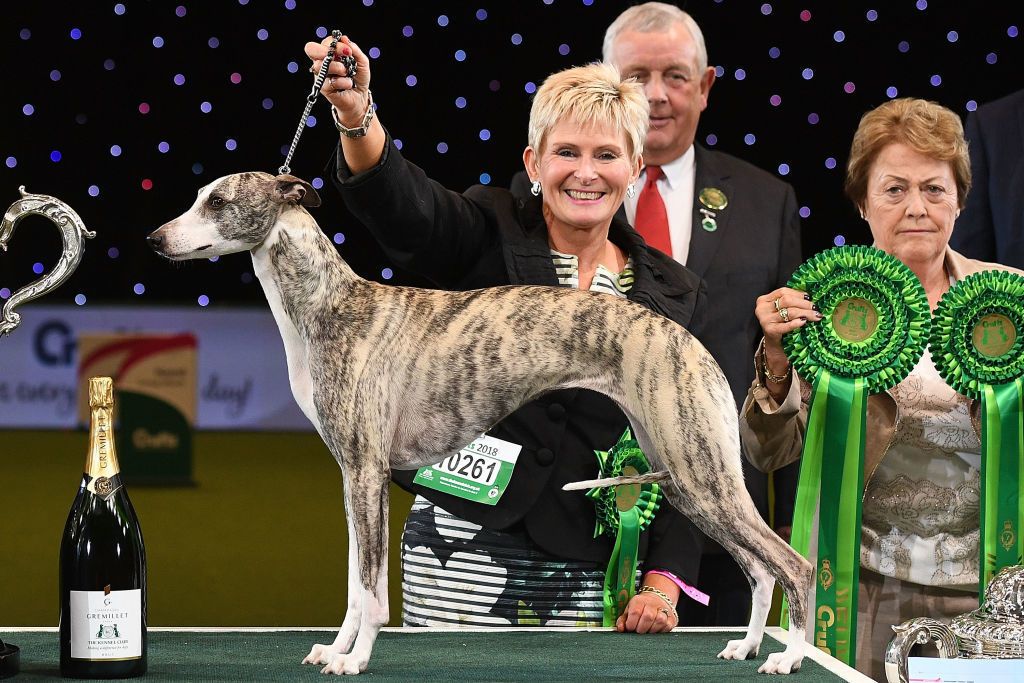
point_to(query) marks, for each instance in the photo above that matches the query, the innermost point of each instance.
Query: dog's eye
(217, 202)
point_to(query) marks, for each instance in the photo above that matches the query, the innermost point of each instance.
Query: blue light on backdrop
(125, 109)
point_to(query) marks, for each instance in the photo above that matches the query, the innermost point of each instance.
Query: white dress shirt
(676, 186)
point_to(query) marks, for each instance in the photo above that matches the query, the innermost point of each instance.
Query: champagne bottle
(102, 562)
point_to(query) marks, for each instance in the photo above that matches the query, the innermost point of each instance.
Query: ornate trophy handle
(73, 231)
(917, 632)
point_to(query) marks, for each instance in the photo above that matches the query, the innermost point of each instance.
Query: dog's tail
(649, 478)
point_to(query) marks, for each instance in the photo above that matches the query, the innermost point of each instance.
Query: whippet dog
(387, 376)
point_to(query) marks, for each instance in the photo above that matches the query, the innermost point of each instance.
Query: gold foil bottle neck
(101, 461)
(101, 392)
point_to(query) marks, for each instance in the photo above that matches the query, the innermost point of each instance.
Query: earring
(535, 188)
(631, 190)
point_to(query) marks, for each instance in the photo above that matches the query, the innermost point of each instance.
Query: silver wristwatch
(364, 124)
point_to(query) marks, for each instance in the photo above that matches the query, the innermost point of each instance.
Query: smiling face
(911, 204)
(583, 172)
(666, 63)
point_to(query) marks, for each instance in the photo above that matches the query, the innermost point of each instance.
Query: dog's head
(231, 214)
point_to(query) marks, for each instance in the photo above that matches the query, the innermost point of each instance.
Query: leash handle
(318, 82)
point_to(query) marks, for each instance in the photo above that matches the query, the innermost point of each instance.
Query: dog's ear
(295, 190)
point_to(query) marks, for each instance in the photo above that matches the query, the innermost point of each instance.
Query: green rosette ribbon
(977, 345)
(623, 512)
(875, 324)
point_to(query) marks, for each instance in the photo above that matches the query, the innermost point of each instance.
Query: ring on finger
(664, 610)
(784, 314)
(776, 302)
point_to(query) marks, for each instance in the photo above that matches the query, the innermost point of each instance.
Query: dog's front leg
(323, 654)
(366, 505)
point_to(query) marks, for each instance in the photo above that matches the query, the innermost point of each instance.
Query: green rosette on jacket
(874, 328)
(623, 512)
(977, 345)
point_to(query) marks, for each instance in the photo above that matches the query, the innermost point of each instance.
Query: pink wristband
(688, 590)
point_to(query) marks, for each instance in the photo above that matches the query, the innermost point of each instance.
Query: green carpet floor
(476, 657)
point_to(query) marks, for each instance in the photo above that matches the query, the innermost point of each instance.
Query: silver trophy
(72, 230)
(993, 631)
(74, 233)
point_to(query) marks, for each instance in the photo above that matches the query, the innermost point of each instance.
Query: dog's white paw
(739, 649)
(781, 663)
(349, 664)
(321, 654)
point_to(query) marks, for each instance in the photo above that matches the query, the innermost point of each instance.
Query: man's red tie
(651, 216)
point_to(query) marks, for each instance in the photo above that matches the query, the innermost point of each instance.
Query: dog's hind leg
(767, 555)
(761, 585)
(726, 529)
(366, 504)
(322, 654)
(762, 555)
(796, 575)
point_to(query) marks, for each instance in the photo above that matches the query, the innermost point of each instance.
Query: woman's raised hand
(780, 312)
(350, 96)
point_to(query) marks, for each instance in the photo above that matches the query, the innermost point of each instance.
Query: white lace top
(921, 509)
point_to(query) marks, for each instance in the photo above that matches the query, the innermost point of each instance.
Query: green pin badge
(708, 222)
(713, 200)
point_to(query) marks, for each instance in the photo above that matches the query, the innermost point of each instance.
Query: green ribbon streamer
(839, 517)
(876, 321)
(977, 345)
(1002, 464)
(809, 484)
(623, 512)
(620, 578)
(833, 464)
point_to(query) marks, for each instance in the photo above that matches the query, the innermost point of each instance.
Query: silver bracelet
(363, 126)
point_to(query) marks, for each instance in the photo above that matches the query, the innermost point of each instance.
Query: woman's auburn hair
(926, 127)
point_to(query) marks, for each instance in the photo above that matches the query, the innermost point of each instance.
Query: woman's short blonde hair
(926, 127)
(590, 95)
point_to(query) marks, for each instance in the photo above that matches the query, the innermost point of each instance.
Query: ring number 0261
(476, 466)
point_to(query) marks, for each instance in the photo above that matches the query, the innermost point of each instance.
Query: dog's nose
(155, 241)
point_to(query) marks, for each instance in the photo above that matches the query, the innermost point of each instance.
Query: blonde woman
(532, 559)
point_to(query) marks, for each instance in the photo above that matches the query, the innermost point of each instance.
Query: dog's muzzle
(158, 243)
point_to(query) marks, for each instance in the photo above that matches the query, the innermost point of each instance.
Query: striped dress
(456, 573)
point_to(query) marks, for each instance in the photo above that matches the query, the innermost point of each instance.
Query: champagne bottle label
(106, 625)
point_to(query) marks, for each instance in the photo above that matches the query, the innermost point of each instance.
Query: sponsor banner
(242, 377)
(154, 400)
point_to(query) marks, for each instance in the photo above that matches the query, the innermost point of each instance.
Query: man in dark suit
(730, 222)
(991, 227)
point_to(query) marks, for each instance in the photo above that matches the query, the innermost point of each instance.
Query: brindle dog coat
(397, 377)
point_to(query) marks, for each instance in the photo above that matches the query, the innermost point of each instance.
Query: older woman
(532, 559)
(908, 174)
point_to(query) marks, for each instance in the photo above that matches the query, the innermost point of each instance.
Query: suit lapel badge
(713, 200)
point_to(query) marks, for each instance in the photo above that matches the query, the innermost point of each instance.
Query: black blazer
(486, 237)
(754, 250)
(991, 227)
